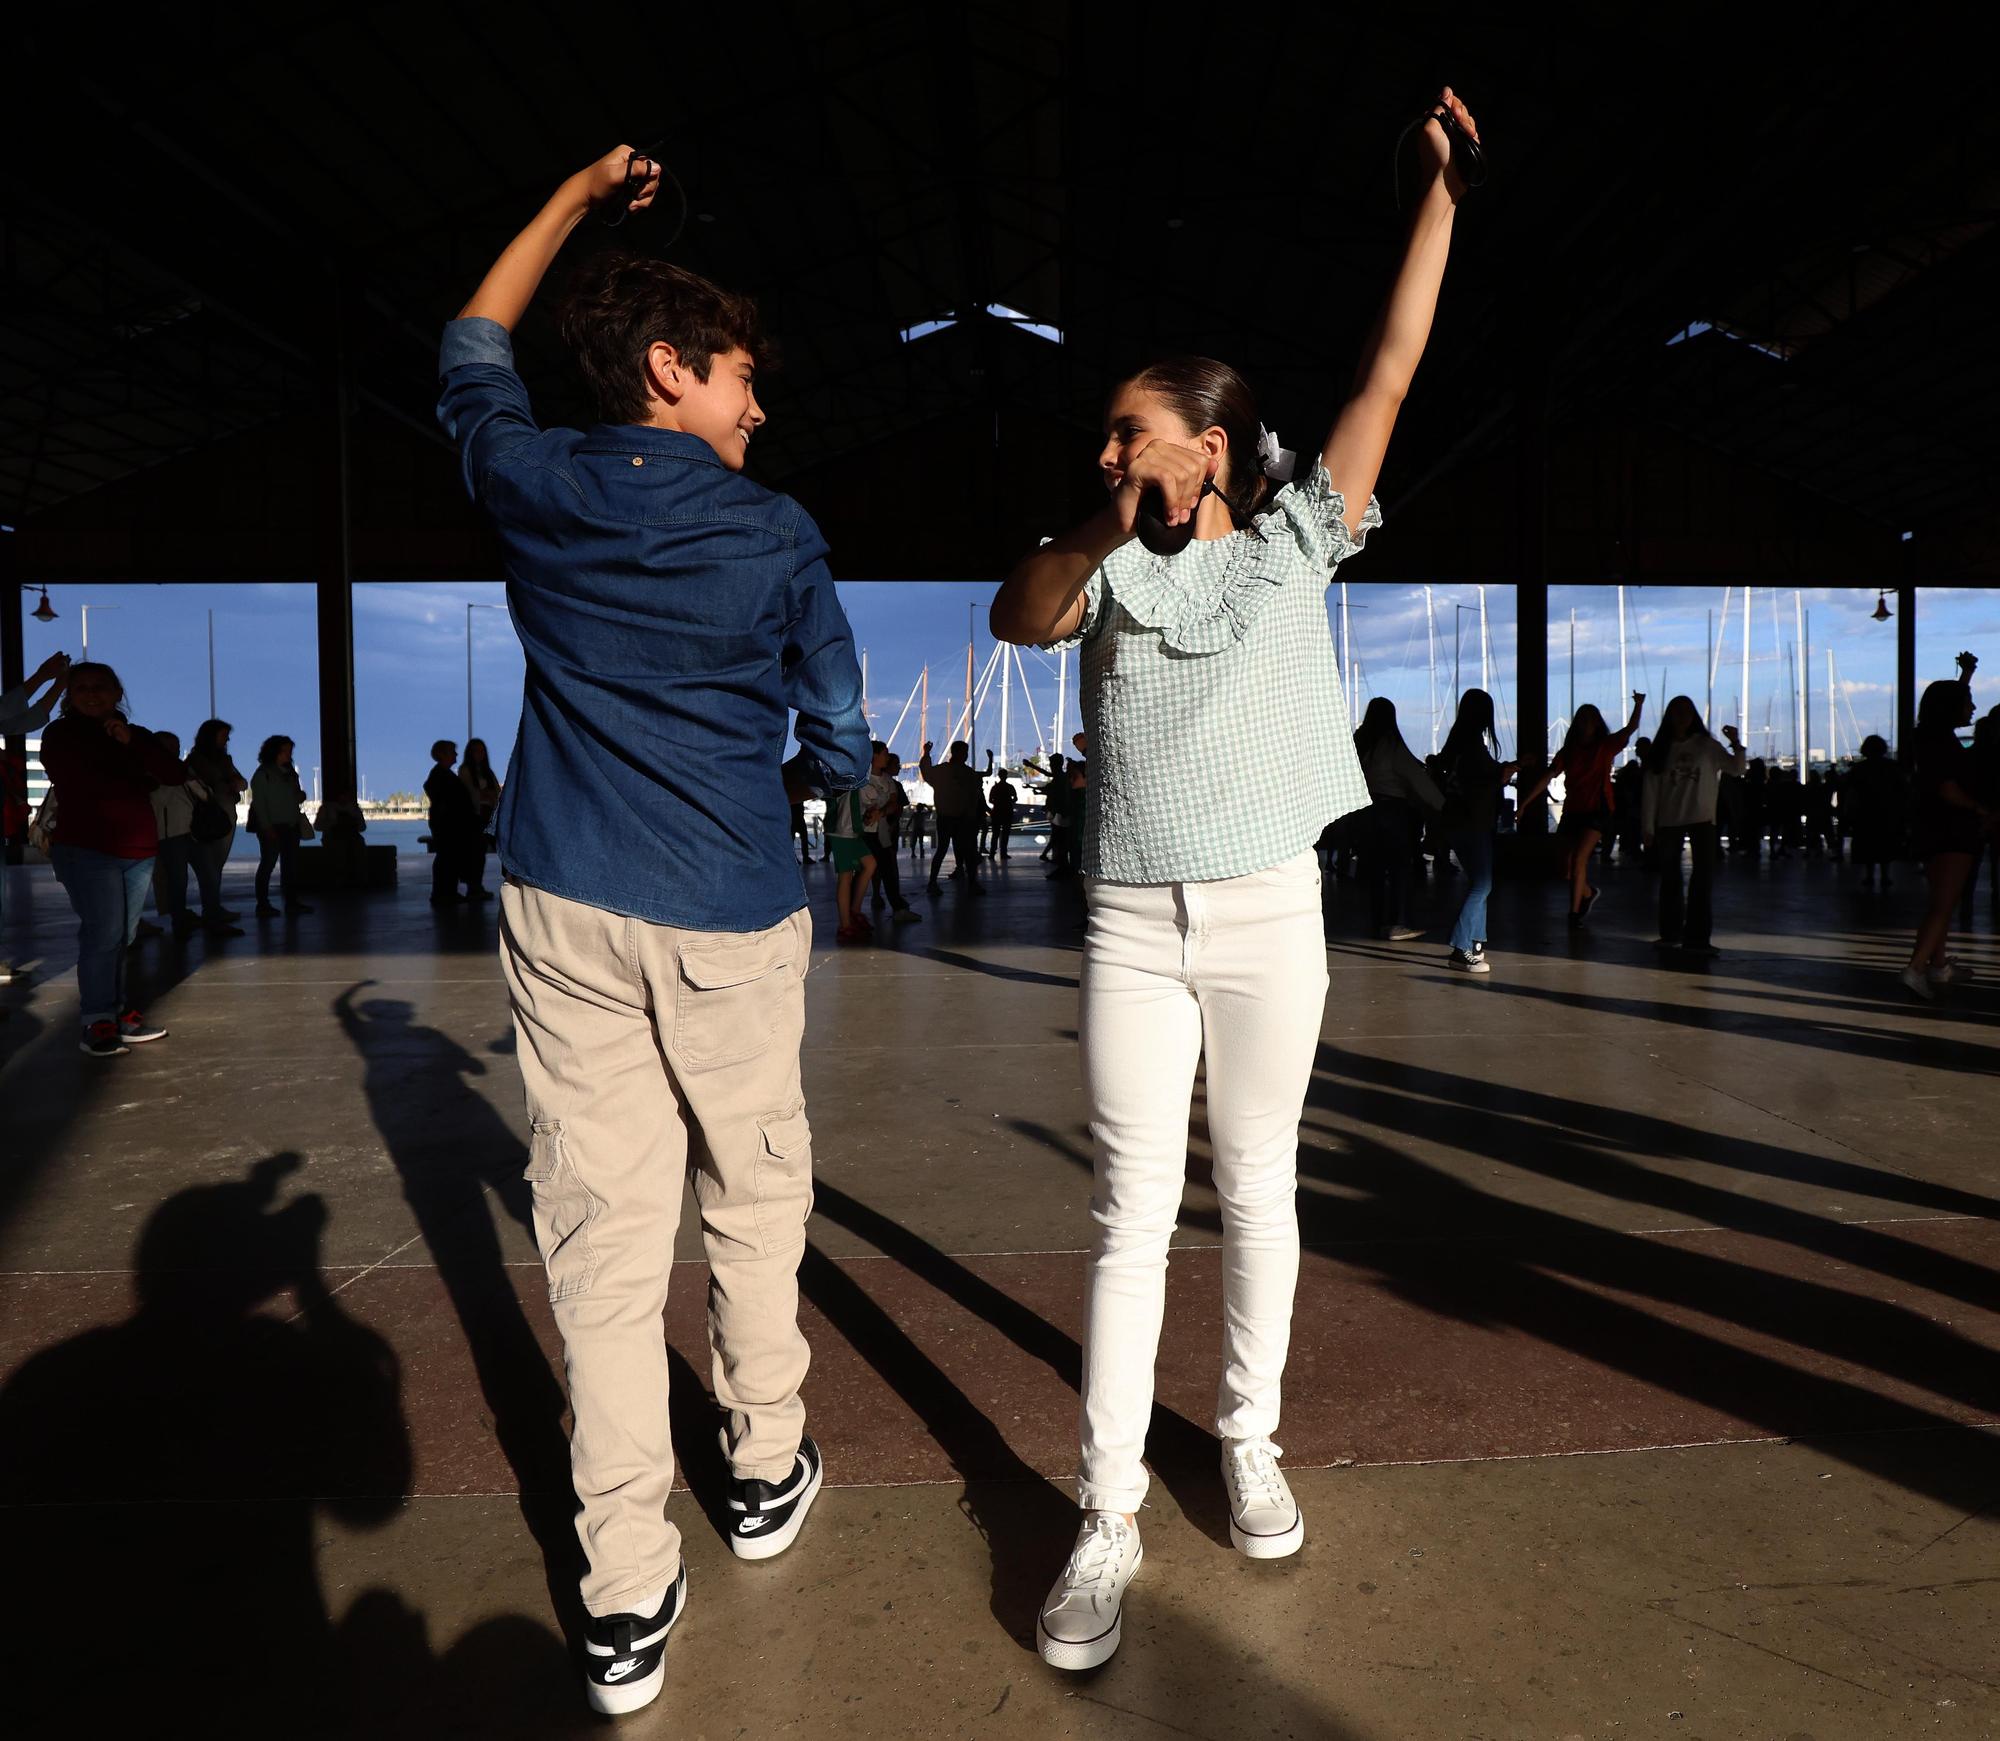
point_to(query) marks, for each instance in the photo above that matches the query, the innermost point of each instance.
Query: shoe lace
(1255, 1465)
(1097, 1553)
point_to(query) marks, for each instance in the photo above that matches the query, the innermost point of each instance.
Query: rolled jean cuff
(773, 1472)
(1094, 1496)
(1242, 1421)
(623, 1601)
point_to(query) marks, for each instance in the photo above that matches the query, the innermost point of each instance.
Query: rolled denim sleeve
(823, 677)
(484, 403)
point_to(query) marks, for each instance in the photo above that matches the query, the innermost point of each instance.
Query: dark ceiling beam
(201, 284)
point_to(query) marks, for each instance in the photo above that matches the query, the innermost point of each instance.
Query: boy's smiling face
(723, 410)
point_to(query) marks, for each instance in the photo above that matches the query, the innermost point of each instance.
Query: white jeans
(1236, 969)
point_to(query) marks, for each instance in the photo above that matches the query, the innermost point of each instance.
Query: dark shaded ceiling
(203, 225)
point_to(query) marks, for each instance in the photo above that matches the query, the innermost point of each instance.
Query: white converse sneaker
(1079, 1624)
(1264, 1520)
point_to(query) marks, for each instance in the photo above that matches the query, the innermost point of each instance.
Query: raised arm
(1542, 782)
(510, 284)
(1042, 600)
(20, 714)
(1623, 735)
(1395, 345)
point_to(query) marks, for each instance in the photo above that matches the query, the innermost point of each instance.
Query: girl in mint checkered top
(1220, 749)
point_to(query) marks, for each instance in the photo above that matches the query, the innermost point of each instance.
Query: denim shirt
(671, 612)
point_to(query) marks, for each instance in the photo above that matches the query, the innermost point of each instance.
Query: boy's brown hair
(619, 303)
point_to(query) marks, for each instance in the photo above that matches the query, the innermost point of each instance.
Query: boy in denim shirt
(654, 932)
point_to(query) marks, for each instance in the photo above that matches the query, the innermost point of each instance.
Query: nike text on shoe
(765, 1516)
(1079, 1626)
(625, 1655)
(1264, 1520)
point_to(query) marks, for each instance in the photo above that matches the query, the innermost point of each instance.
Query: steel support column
(1531, 593)
(332, 567)
(1906, 674)
(13, 662)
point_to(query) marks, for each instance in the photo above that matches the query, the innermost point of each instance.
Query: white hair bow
(1278, 462)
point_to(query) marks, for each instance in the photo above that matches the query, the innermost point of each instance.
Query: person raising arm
(1042, 599)
(1216, 759)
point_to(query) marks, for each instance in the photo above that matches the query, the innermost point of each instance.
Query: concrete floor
(1644, 1377)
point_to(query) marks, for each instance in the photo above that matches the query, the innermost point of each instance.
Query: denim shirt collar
(644, 439)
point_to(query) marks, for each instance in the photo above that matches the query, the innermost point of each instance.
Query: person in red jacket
(103, 769)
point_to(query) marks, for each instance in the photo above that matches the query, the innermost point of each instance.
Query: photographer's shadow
(160, 1477)
(161, 1480)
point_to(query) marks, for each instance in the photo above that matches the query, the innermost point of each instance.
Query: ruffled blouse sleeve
(1093, 608)
(1314, 514)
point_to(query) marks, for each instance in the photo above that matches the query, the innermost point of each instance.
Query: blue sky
(410, 654)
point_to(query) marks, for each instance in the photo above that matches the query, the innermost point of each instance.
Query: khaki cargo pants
(651, 1054)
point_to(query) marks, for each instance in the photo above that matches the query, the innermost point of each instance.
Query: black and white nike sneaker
(765, 1516)
(625, 1655)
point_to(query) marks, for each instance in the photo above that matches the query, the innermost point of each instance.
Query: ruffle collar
(1199, 606)
(1204, 599)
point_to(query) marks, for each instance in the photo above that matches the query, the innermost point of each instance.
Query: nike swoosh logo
(750, 1524)
(618, 1671)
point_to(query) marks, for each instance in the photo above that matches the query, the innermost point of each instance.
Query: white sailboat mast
(1431, 647)
(1743, 700)
(1007, 657)
(1624, 678)
(1801, 674)
(1715, 648)
(1485, 682)
(1346, 652)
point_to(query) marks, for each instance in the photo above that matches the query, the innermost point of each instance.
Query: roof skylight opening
(1695, 328)
(1027, 323)
(924, 328)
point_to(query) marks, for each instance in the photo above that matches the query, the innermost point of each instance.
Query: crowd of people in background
(1682, 804)
(130, 816)
(1679, 804)
(957, 811)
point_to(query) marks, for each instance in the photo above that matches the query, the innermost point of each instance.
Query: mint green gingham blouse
(1219, 739)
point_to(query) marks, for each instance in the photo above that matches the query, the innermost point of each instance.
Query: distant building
(38, 781)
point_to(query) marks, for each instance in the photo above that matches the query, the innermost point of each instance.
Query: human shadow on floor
(67, 1084)
(1184, 1456)
(20, 1027)
(1041, 1519)
(1593, 1146)
(1571, 1283)
(1907, 1045)
(460, 1160)
(998, 970)
(161, 1480)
